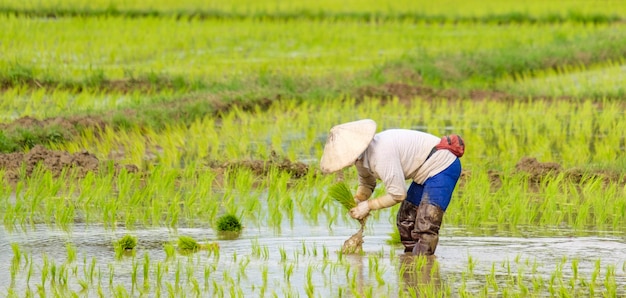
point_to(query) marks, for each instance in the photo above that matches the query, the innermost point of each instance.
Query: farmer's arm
(367, 182)
(393, 178)
(392, 175)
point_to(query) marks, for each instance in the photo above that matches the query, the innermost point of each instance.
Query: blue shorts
(436, 190)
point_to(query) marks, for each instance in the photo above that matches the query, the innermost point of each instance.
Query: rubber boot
(405, 221)
(426, 231)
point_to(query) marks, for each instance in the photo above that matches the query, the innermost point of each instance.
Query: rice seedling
(229, 226)
(342, 194)
(125, 246)
(188, 245)
(71, 252)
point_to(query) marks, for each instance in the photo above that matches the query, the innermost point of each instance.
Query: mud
(539, 171)
(177, 111)
(262, 167)
(17, 166)
(69, 125)
(354, 244)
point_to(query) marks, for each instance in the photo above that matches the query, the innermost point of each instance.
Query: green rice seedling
(133, 276)
(159, 274)
(15, 262)
(89, 269)
(146, 271)
(188, 244)
(255, 248)
(394, 237)
(609, 282)
(125, 245)
(29, 272)
(277, 194)
(170, 251)
(288, 271)
(283, 254)
(342, 194)
(228, 226)
(309, 286)
(264, 273)
(71, 252)
(208, 269)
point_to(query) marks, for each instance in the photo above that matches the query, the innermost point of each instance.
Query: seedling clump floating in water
(229, 223)
(229, 226)
(187, 244)
(125, 244)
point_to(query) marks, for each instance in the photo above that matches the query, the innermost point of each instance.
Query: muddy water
(262, 256)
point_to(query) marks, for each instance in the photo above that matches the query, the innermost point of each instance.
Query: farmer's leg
(437, 194)
(405, 219)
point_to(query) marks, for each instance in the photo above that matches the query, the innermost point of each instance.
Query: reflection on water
(306, 259)
(420, 275)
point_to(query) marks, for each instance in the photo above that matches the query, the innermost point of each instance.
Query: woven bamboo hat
(345, 143)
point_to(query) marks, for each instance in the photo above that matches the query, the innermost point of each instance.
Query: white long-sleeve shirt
(397, 155)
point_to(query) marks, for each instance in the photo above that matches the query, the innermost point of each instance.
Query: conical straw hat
(345, 143)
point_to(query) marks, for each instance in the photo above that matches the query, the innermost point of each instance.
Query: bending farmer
(395, 156)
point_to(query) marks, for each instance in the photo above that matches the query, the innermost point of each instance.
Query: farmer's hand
(360, 197)
(360, 211)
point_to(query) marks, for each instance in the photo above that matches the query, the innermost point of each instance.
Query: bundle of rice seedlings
(342, 194)
(187, 243)
(229, 223)
(229, 227)
(125, 246)
(127, 242)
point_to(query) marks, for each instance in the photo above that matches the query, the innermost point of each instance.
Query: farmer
(395, 156)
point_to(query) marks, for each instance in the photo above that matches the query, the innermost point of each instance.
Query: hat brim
(345, 143)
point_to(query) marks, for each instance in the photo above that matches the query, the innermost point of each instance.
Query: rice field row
(580, 136)
(605, 80)
(228, 56)
(74, 48)
(572, 134)
(455, 8)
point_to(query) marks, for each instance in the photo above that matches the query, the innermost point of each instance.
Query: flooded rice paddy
(304, 260)
(511, 231)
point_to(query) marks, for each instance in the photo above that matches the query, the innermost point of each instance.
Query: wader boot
(405, 220)
(426, 231)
